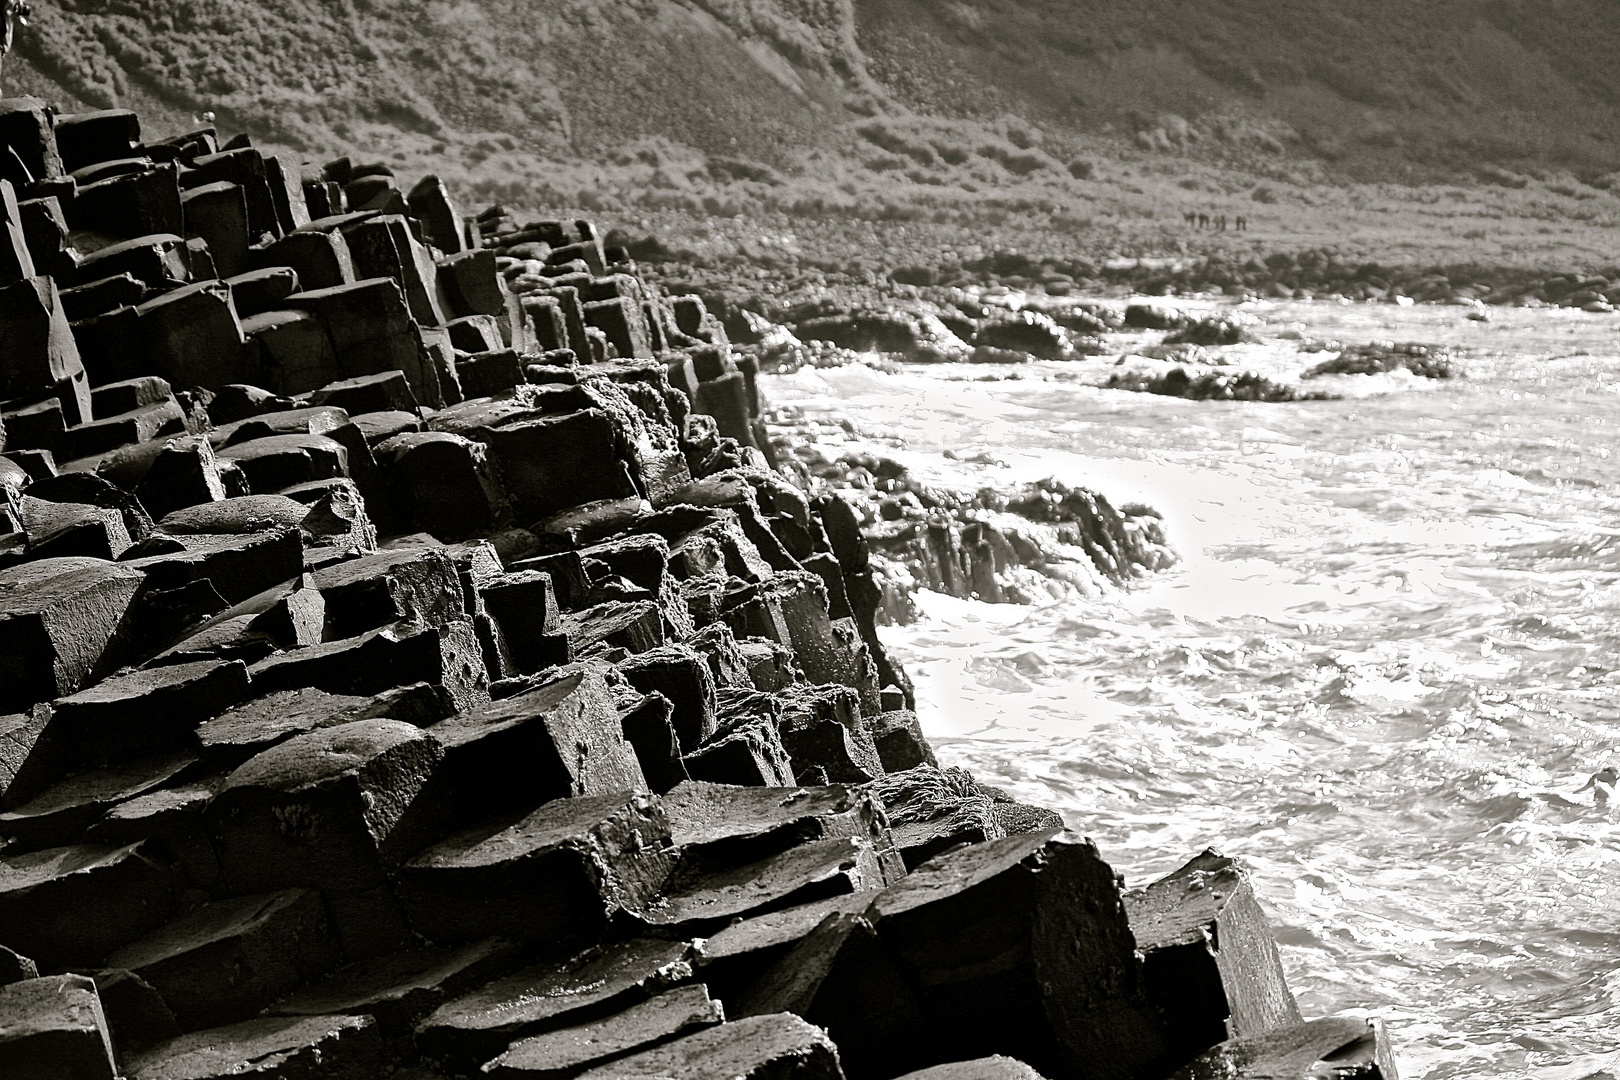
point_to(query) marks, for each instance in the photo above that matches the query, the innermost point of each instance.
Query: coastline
(439, 647)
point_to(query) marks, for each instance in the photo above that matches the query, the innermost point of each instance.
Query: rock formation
(412, 664)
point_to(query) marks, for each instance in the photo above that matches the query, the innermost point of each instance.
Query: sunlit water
(1383, 675)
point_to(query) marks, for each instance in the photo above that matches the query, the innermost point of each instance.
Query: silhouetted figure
(1191, 218)
(1203, 221)
(1220, 223)
(1242, 223)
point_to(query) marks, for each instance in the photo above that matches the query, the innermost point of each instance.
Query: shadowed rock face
(349, 762)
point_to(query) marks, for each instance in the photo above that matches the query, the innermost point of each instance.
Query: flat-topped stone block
(758, 1048)
(420, 585)
(475, 1027)
(73, 905)
(147, 710)
(400, 989)
(53, 1029)
(448, 657)
(227, 960)
(61, 814)
(562, 738)
(553, 878)
(237, 566)
(719, 826)
(699, 903)
(1211, 963)
(58, 618)
(1333, 1048)
(320, 810)
(558, 1053)
(324, 1047)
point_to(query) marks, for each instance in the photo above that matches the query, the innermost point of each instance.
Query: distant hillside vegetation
(1100, 117)
(1378, 86)
(1373, 84)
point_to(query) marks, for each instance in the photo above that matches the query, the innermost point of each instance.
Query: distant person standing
(15, 12)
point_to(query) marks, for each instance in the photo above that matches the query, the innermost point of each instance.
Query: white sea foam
(1384, 674)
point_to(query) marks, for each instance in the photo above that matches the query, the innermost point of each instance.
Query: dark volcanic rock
(31, 757)
(1017, 946)
(448, 657)
(995, 1067)
(734, 958)
(136, 1014)
(478, 1025)
(746, 748)
(73, 905)
(346, 768)
(1336, 1048)
(1214, 330)
(399, 989)
(561, 1053)
(758, 1048)
(149, 710)
(1211, 963)
(1156, 317)
(683, 676)
(340, 1047)
(254, 726)
(900, 742)
(53, 1029)
(62, 813)
(328, 810)
(931, 811)
(554, 878)
(15, 968)
(1427, 361)
(719, 826)
(697, 903)
(561, 738)
(419, 585)
(1207, 384)
(227, 960)
(58, 618)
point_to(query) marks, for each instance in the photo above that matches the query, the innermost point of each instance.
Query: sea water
(1385, 673)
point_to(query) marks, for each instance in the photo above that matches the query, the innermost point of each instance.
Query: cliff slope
(1397, 83)
(1111, 115)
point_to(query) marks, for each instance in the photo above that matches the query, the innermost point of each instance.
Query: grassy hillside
(1486, 125)
(1380, 88)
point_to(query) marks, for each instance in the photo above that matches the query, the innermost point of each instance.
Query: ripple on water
(1384, 675)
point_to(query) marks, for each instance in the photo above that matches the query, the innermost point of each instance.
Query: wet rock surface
(419, 658)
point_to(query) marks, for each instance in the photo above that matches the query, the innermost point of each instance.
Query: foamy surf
(1384, 674)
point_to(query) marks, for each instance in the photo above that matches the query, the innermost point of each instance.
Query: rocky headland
(420, 657)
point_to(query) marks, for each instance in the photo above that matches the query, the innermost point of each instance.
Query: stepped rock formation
(411, 664)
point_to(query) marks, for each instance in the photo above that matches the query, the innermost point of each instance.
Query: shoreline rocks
(419, 660)
(1191, 353)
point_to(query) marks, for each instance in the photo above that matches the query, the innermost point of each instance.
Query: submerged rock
(1226, 329)
(1426, 361)
(1195, 383)
(915, 335)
